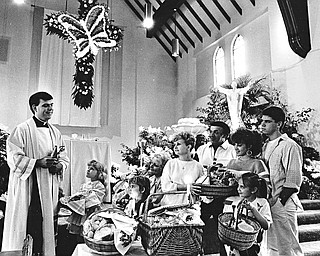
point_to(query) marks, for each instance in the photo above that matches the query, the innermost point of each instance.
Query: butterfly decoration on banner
(88, 33)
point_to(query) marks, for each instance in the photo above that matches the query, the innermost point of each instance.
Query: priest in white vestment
(35, 175)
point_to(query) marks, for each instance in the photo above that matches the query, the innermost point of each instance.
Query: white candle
(188, 189)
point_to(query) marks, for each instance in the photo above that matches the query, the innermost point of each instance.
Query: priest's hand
(46, 162)
(56, 168)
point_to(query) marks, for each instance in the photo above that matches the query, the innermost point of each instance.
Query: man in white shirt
(218, 150)
(284, 159)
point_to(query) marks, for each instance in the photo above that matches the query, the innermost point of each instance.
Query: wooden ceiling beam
(183, 32)
(176, 36)
(156, 36)
(220, 8)
(179, 27)
(253, 2)
(134, 10)
(163, 13)
(216, 23)
(165, 47)
(238, 8)
(193, 12)
(168, 39)
(190, 25)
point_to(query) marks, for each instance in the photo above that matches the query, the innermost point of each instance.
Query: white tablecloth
(80, 153)
(135, 250)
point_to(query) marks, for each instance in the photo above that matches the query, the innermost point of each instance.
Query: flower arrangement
(255, 100)
(151, 141)
(89, 32)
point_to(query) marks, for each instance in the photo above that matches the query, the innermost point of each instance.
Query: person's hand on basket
(195, 189)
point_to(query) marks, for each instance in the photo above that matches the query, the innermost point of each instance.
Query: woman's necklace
(244, 158)
(184, 163)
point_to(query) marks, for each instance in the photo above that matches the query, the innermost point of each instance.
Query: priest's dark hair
(36, 97)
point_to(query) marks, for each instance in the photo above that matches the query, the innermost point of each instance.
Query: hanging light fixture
(175, 47)
(148, 20)
(19, 1)
(175, 42)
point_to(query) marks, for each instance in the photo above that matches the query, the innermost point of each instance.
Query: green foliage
(152, 140)
(258, 97)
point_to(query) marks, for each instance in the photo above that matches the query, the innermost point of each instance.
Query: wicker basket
(217, 190)
(106, 247)
(170, 240)
(237, 238)
(102, 247)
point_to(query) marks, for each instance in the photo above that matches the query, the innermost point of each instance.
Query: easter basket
(222, 182)
(167, 238)
(236, 237)
(106, 245)
(217, 190)
(101, 246)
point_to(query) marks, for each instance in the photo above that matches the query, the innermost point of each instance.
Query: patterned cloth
(83, 203)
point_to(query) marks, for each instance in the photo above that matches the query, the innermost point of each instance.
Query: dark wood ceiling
(191, 21)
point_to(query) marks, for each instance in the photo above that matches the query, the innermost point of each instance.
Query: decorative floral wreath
(88, 32)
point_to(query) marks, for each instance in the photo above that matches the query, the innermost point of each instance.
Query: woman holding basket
(248, 146)
(180, 173)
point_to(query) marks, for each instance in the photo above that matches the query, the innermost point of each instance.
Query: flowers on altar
(151, 141)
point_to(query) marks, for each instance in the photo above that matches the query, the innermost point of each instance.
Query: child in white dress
(252, 196)
(88, 199)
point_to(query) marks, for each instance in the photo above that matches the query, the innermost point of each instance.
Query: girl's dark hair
(252, 140)
(142, 182)
(187, 137)
(252, 180)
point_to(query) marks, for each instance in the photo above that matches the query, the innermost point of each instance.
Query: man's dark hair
(276, 113)
(36, 97)
(223, 125)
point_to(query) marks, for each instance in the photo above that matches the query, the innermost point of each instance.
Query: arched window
(218, 67)
(238, 57)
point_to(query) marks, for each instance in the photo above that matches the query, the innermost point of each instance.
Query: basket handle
(172, 192)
